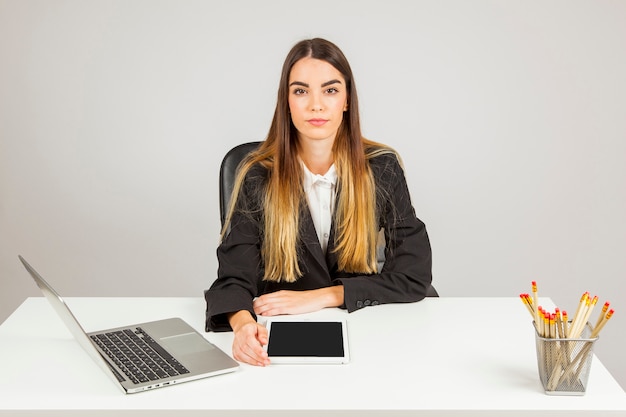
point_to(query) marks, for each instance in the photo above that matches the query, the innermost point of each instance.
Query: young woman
(308, 208)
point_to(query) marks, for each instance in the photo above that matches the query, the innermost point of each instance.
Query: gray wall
(510, 116)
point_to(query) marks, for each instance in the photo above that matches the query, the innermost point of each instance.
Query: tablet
(299, 341)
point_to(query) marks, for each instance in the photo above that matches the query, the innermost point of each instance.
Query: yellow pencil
(542, 321)
(605, 307)
(580, 311)
(559, 323)
(584, 316)
(592, 305)
(526, 300)
(552, 321)
(596, 331)
(535, 302)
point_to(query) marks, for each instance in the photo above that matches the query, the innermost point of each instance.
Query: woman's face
(318, 98)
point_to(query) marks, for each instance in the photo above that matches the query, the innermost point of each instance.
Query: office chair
(228, 173)
(228, 170)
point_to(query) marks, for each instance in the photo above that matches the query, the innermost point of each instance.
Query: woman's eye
(298, 91)
(332, 90)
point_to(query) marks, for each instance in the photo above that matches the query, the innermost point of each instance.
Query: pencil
(552, 321)
(605, 307)
(599, 327)
(535, 301)
(526, 300)
(559, 323)
(580, 310)
(584, 316)
(585, 319)
(539, 313)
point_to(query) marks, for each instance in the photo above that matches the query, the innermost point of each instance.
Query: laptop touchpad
(186, 343)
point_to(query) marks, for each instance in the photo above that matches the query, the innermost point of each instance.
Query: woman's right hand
(250, 337)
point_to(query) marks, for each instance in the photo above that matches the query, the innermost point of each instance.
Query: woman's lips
(317, 122)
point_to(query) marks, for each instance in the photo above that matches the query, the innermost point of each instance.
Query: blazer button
(375, 303)
(359, 304)
(367, 302)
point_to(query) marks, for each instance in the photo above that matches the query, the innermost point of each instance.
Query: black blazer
(405, 275)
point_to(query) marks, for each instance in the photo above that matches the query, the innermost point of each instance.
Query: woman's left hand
(298, 302)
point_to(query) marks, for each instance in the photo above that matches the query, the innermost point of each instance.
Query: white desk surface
(440, 356)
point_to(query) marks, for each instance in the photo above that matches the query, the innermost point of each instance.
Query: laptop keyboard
(138, 355)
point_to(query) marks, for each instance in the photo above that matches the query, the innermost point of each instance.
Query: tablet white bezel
(310, 359)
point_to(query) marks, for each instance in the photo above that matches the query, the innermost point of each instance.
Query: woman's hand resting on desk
(298, 302)
(250, 337)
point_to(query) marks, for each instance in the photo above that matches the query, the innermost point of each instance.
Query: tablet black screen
(319, 339)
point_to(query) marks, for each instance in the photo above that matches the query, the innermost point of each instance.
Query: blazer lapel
(331, 256)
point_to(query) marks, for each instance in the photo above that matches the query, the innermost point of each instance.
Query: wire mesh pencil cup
(564, 364)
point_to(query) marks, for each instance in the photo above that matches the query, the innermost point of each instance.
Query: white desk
(441, 356)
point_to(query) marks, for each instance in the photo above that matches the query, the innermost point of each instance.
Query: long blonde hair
(356, 221)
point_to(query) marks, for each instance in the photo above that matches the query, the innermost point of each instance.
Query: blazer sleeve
(407, 271)
(239, 259)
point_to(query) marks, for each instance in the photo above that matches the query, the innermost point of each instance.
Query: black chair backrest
(228, 172)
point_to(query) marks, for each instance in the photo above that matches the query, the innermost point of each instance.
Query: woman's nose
(316, 103)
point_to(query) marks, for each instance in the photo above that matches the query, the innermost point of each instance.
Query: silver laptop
(147, 355)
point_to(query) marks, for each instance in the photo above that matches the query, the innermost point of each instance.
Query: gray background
(510, 117)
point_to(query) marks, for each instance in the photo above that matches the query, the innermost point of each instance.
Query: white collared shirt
(320, 193)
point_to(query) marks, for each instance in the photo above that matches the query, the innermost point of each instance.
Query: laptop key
(139, 356)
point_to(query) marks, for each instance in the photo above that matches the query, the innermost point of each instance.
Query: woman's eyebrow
(327, 83)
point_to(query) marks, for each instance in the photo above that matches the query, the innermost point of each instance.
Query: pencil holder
(564, 364)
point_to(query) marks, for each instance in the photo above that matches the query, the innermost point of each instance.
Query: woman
(307, 209)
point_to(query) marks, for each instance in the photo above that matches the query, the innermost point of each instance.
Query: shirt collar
(310, 179)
